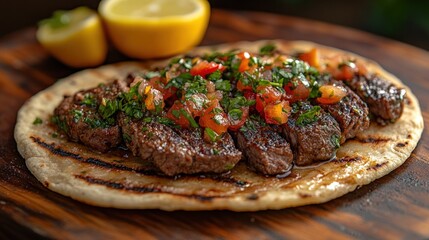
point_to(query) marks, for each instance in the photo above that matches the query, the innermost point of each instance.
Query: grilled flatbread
(118, 180)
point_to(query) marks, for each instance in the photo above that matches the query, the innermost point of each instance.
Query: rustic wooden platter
(395, 206)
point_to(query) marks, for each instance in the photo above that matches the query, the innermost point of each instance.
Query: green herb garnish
(189, 118)
(267, 49)
(335, 140)
(235, 114)
(310, 116)
(37, 121)
(211, 134)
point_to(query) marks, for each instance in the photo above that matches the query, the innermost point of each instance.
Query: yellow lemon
(74, 37)
(155, 28)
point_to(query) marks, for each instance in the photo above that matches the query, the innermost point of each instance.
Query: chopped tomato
(242, 87)
(196, 103)
(277, 113)
(236, 120)
(215, 118)
(296, 93)
(266, 95)
(158, 84)
(312, 57)
(249, 95)
(331, 94)
(345, 72)
(205, 68)
(154, 99)
(178, 113)
(245, 59)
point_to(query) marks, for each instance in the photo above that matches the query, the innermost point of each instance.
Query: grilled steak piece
(385, 100)
(313, 134)
(217, 157)
(351, 113)
(178, 151)
(265, 150)
(78, 117)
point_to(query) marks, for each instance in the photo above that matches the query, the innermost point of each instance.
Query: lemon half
(155, 28)
(74, 37)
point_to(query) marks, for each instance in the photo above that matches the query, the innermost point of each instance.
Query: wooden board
(395, 206)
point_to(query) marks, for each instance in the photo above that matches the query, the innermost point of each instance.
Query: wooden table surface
(395, 206)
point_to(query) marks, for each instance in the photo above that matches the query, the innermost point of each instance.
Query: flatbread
(115, 180)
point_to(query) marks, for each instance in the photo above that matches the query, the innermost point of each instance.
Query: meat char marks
(265, 149)
(351, 113)
(79, 119)
(180, 150)
(313, 134)
(385, 100)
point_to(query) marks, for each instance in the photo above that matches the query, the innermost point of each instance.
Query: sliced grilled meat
(178, 151)
(385, 100)
(313, 134)
(266, 150)
(351, 113)
(217, 157)
(78, 117)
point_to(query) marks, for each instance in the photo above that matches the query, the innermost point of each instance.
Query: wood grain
(393, 207)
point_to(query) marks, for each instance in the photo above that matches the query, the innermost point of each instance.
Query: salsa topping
(222, 91)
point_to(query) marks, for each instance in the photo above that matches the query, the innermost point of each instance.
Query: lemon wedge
(155, 28)
(74, 37)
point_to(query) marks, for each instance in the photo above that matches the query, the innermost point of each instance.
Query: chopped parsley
(89, 100)
(335, 140)
(267, 49)
(211, 134)
(60, 123)
(308, 117)
(77, 115)
(223, 85)
(235, 114)
(37, 121)
(188, 117)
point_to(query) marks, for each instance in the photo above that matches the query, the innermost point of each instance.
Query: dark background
(406, 21)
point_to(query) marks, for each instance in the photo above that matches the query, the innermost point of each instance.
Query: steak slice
(178, 151)
(217, 157)
(313, 134)
(351, 113)
(77, 116)
(385, 100)
(265, 150)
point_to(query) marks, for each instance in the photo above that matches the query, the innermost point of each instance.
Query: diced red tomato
(331, 94)
(249, 95)
(242, 87)
(175, 113)
(238, 123)
(205, 68)
(266, 95)
(245, 59)
(277, 113)
(153, 98)
(345, 72)
(215, 118)
(312, 57)
(298, 93)
(158, 84)
(196, 104)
